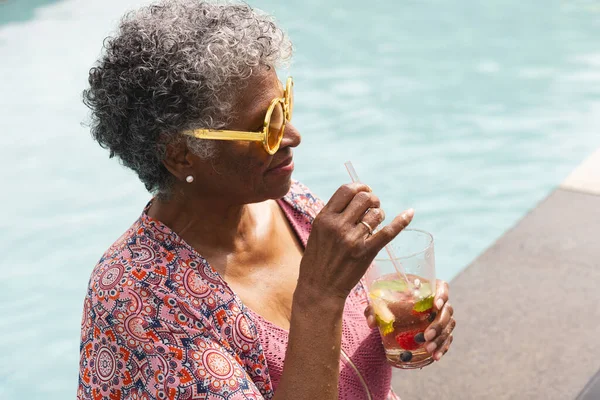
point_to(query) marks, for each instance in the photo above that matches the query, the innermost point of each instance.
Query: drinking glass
(403, 307)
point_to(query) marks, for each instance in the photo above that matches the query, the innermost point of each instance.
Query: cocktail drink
(402, 314)
(404, 307)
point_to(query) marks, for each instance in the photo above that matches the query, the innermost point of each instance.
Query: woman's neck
(215, 224)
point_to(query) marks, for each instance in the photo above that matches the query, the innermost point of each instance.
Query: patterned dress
(160, 323)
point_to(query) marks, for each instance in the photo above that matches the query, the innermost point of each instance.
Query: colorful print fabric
(160, 323)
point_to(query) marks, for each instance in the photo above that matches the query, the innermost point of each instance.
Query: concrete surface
(586, 177)
(527, 311)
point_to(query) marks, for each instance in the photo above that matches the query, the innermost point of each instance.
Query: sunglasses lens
(276, 125)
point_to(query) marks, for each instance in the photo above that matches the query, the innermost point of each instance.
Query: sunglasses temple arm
(227, 135)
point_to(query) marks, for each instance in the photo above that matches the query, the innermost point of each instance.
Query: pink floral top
(160, 323)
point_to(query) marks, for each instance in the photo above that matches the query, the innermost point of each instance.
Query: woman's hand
(438, 335)
(340, 248)
(341, 245)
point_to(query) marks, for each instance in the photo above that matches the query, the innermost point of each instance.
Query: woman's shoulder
(303, 199)
(147, 254)
(132, 261)
(146, 244)
(152, 295)
(150, 271)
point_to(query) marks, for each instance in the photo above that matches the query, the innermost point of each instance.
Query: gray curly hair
(172, 66)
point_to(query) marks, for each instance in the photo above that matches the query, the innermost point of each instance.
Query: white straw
(388, 248)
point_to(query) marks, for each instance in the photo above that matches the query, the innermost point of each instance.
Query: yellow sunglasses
(278, 113)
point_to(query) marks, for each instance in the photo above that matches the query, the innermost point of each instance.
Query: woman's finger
(441, 294)
(435, 345)
(359, 205)
(444, 348)
(373, 217)
(390, 231)
(439, 323)
(370, 316)
(343, 196)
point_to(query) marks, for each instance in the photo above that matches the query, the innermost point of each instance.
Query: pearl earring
(189, 179)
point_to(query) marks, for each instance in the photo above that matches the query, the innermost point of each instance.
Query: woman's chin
(279, 189)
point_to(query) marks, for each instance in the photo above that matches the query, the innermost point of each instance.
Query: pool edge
(506, 345)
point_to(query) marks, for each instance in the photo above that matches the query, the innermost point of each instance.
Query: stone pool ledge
(586, 177)
(528, 308)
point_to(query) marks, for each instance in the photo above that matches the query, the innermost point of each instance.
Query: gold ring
(368, 227)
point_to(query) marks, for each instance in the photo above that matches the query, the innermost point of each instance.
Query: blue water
(471, 112)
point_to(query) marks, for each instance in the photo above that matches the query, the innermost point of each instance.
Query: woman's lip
(286, 166)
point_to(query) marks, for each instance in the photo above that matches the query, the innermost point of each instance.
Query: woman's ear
(178, 160)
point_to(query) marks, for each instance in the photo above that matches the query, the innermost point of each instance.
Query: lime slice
(385, 327)
(395, 285)
(383, 315)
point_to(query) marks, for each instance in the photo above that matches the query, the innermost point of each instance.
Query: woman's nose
(291, 136)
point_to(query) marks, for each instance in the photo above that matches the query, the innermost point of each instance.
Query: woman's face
(244, 171)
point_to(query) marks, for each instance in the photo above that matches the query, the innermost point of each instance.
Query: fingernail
(438, 356)
(410, 212)
(369, 187)
(432, 316)
(439, 304)
(430, 334)
(431, 347)
(420, 337)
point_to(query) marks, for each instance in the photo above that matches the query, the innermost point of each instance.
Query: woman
(232, 266)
